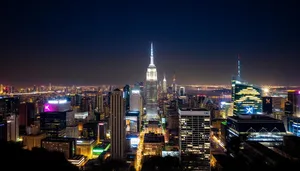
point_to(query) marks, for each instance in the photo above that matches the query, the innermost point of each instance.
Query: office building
(293, 125)
(117, 124)
(194, 133)
(267, 105)
(26, 114)
(260, 128)
(153, 144)
(133, 122)
(292, 106)
(85, 147)
(99, 103)
(246, 98)
(151, 89)
(136, 100)
(126, 96)
(12, 127)
(65, 145)
(33, 140)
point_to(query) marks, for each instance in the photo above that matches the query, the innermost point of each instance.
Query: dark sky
(97, 42)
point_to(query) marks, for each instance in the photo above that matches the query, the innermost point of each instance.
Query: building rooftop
(51, 139)
(253, 118)
(193, 109)
(255, 123)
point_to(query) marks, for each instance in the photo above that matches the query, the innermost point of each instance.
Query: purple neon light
(47, 108)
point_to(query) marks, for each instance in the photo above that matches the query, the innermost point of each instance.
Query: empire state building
(151, 89)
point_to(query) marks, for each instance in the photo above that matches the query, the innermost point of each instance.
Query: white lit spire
(164, 77)
(151, 56)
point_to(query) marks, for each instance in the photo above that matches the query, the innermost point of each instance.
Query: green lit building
(246, 98)
(99, 149)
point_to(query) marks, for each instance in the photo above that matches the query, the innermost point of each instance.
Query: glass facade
(246, 98)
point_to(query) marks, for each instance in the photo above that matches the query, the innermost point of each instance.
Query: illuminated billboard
(131, 123)
(50, 108)
(57, 106)
(134, 142)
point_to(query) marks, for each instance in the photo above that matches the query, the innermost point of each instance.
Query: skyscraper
(164, 84)
(151, 89)
(194, 131)
(117, 124)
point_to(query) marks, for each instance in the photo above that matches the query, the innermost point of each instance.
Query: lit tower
(151, 88)
(174, 86)
(164, 84)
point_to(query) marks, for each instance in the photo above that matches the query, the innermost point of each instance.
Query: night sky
(93, 42)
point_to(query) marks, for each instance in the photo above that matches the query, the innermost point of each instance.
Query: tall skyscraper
(174, 86)
(151, 89)
(117, 124)
(194, 132)
(99, 103)
(246, 98)
(126, 96)
(164, 84)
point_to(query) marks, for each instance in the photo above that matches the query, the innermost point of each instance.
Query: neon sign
(249, 110)
(47, 108)
(57, 101)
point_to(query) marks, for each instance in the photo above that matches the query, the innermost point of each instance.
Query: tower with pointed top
(164, 84)
(151, 88)
(174, 86)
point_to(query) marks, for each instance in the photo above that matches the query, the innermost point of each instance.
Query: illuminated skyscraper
(164, 84)
(117, 124)
(151, 88)
(246, 98)
(194, 133)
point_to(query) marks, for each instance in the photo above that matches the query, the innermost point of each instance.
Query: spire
(164, 77)
(151, 55)
(239, 66)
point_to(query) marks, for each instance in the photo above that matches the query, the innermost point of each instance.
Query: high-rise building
(194, 133)
(267, 105)
(26, 114)
(99, 103)
(117, 124)
(164, 85)
(293, 103)
(126, 96)
(136, 100)
(246, 98)
(151, 88)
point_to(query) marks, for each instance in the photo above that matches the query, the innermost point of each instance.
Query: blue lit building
(293, 125)
(259, 128)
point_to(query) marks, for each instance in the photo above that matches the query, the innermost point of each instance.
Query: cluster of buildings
(137, 122)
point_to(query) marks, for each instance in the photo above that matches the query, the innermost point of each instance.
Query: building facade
(151, 89)
(117, 124)
(194, 133)
(246, 98)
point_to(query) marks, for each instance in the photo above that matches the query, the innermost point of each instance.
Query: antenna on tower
(239, 66)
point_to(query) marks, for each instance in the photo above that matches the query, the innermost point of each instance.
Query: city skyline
(79, 43)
